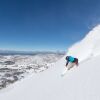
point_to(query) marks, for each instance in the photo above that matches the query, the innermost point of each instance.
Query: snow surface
(81, 83)
(87, 47)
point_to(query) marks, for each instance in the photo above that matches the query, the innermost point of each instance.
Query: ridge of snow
(87, 47)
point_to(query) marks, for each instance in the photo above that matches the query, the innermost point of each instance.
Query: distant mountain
(13, 52)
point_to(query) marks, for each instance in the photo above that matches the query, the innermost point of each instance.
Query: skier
(71, 62)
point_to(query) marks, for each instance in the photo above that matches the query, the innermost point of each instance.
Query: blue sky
(45, 24)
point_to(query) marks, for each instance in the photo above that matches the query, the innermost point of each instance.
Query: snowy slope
(87, 47)
(80, 83)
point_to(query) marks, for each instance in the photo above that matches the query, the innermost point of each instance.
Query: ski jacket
(70, 59)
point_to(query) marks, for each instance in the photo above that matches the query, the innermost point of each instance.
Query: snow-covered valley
(16, 67)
